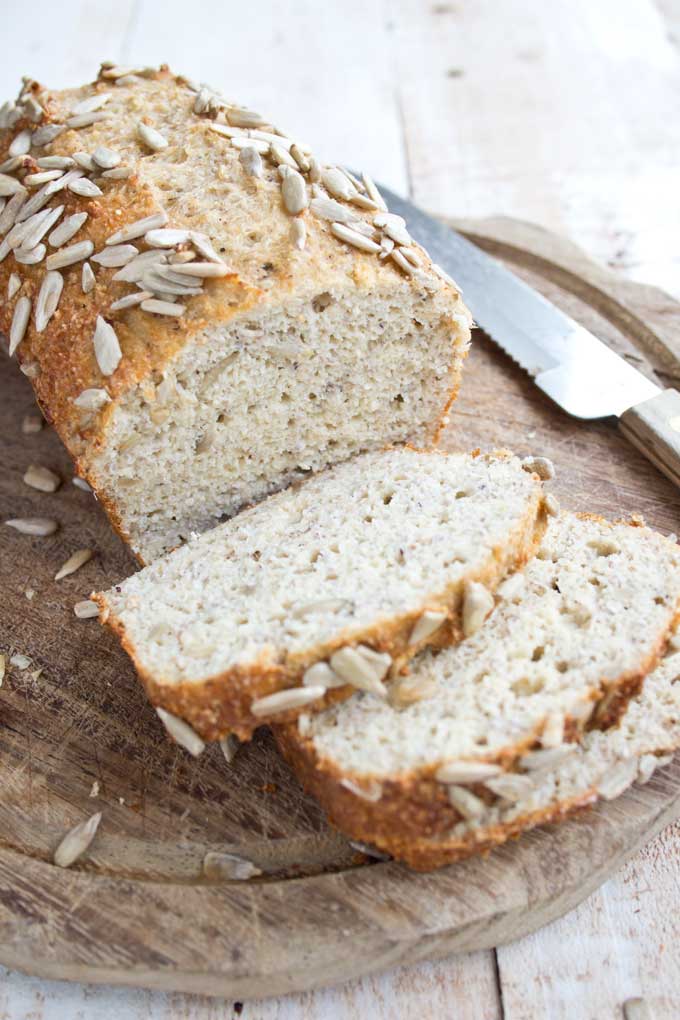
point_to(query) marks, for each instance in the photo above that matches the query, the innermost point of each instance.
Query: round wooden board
(136, 910)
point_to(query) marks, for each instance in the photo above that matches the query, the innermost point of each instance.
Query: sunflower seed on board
(294, 193)
(76, 841)
(92, 103)
(106, 158)
(37, 179)
(298, 234)
(21, 144)
(362, 668)
(152, 138)
(162, 307)
(167, 237)
(138, 228)
(67, 229)
(618, 778)
(37, 526)
(372, 192)
(10, 186)
(80, 483)
(22, 312)
(87, 279)
(547, 758)
(282, 701)
(467, 772)
(46, 134)
(116, 255)
(466, 803)
(251, 161)
(202, 270)
(41, 478)
(541, 466)
(86, 610)
(92, 400)
(242, 117)
(429, 622)
(477, 604)
(73, 563)
(48, 299)
(85, 161)
(511, 786)
(223, 867)
(130, 300)
(229, 746)
(119, 173)
(82, 120)
(30, 256)
(85, 188)
(107, 350)
(335, 181)
(181, 732)
(68, 256)
(353, 237)
(321, 675)
(372, 792)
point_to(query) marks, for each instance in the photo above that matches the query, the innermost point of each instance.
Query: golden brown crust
(221, 704)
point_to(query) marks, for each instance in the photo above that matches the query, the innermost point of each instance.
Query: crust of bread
(220, 704)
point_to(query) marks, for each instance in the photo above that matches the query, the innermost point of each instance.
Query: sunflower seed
(31, 424)
(80, 483)
(92, 103)
(181, 732)
(362, 668)
(11, 211)
(76, 842)
(280, 156)
(429, 622)
(86, 610)
(4, 251)
(85, 188)
(39, 225)
(372, 792)
(163, 307)
(443, 275)
(298, 234)
(202, 101)
(55, 162)
(114, 71)
(314, 171)
(106, 158)
(369, 850)
(135, 270)
(246, 142)
(618, 778)
(115, 255)
(73, 563)
(10, 186)
(30, 369)
(138, 228)
(119, 173)
(9, 114)
(511, 786)
(22, 312)
(467, 772)
(21, 144)
(329, 209)
(41, 478)
(337, 183)
(39, 526)
(152, 138)
(66, 181)
(230, 746)
(13, 285)
(87, 279)
(14, 163)
(477, 604)
(394, 226)
(241, 117)
(553, 730)
(300, 158)
(552, 506)
(67, 229)
(222, 867)
(30, 256)
(46, 134)
(546, 759)
(251, 161)
(48, 299)
(106, 347)
(541, 466)
(130, 300)
(397, 256)
(227, 131)
(68, 256)
(294, 193)
(85, 161)
(203, 270)
(353, 237)
(92, 399)
(21, 662)
(167, 238)
(282, 701)
(321, 675)
(36, 180)
(372, 192)
(466, 803)
(161, 280)
(82, 120)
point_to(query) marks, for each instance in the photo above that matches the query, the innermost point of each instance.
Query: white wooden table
(563, 112)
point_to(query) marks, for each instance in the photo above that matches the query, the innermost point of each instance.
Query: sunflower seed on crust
(397, 256)
(39, 226)
(162, 307)
(30, 256)
(130, 300)
(298, 233)
(477, 604)
(429, 622)
(76, 841)
(87, 279)
(11, 211)
(55, 162)
(116, 255)
(201, 270)
(85, 188)
(167, 237)
(107, 350)
(13, 285)
(511, 786)
(138, 228)
(65, 181)
(20, 144)
(85, 161)
(300, 158)
(353, 237)
(46, 134)
(86, 610)
(241, 117)
(38, 526)
(181, 732)
(329, 209)
(251, 161)
(362, 668)
(92, 103)
(280, 156)
(152, 138)
(547, 758)
(229, 746)
(467, 772)
(10, 186)
(372, 792)
(394, 226)
(92, 400)
(137, 267)
(372, 192)
(321, 675)
(246, 142)
(106, 158)
(119, 173)
(337, 183)
(466, 803)
(294, 193)
(227, 131)
(42, 177)
(82, 120)
(48, 299)
(66, 229)
(201, 243)
(41, 478)
(282, 701)
(223, 867)
(68, 256)
(22, 312)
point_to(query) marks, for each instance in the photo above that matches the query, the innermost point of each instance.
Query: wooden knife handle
(654, 428)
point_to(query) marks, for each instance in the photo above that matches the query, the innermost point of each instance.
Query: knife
(585, 377)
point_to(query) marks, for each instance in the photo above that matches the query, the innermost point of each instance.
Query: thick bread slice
(377, 553)
(569, 642)
(314, 327)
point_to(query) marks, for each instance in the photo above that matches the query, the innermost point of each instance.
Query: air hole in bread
(322, 301)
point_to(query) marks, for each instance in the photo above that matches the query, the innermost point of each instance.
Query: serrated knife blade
(579, 372)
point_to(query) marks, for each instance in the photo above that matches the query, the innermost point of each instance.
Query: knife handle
(654, 428)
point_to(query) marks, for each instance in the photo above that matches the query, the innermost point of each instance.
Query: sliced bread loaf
(569, 642)
(329, 584)
(205, 311)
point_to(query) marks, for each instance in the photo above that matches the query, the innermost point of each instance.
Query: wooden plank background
(564, 113)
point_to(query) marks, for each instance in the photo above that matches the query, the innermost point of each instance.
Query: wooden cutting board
(77, 736)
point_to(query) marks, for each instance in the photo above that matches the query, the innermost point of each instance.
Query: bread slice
(363, 565)
(314, 329)
(568, 643)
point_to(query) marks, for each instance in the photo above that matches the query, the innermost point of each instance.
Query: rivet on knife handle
(654, 428)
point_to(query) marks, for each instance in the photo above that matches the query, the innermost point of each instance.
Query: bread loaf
(568, 644)
(332, 583)
(205, 312)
